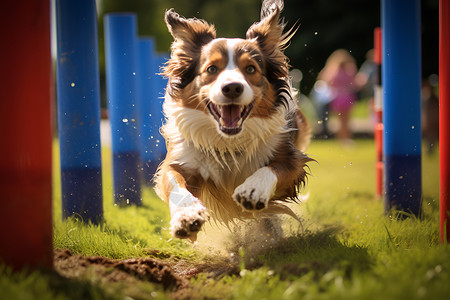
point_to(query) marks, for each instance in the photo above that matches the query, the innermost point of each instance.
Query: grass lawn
(346, 248)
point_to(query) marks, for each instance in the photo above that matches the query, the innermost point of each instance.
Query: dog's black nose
(232, 90)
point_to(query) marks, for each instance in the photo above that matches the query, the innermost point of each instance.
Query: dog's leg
(187, 212)
(257, 189)
(278, 180)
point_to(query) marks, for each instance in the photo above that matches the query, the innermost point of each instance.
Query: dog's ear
(268, 33)
(189, 37)
(269, 6)
(191, 31)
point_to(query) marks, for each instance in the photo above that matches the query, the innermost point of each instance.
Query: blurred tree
(324, 26)
(150, 15)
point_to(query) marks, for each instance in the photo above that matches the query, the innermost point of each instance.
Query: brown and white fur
(235, 136)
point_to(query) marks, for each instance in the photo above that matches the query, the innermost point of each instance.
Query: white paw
(187, 221)
(256, 191)
(188, 214)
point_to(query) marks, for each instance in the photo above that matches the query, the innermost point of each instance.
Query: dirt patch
(173, 275)
(157, 271)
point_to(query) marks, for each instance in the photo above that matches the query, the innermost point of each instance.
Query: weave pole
(444, 122)
(78, 91)
(401, 105)
(157, 107)
(148, 129)
(26, 131)
(122, 92)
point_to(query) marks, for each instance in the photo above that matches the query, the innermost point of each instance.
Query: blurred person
(365, 79)
(430, 115)
(365, 76)
(321, 96)
(339, 73)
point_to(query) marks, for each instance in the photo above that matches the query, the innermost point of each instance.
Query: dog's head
(231, 80)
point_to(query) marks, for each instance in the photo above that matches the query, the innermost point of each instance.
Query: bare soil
(172, 274)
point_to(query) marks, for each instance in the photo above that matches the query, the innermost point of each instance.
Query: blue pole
(121, 83)
(401, 85)
(147, 126)
(78, 92)
(157, 108)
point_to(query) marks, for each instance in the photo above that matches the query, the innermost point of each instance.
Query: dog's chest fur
(223, 163)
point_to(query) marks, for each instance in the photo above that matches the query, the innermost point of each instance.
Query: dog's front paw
(250, 199)
(256, 191)
(187, 221)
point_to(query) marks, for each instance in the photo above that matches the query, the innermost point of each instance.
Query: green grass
(125, 232)
(347, 247)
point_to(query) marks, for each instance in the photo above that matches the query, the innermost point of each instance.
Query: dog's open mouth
(230, 117)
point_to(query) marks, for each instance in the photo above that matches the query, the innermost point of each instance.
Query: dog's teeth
(222, 122)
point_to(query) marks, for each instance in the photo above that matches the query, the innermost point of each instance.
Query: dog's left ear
(269, 6)
(268, 33)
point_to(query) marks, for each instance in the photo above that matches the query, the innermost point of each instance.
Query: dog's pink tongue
(231, 114)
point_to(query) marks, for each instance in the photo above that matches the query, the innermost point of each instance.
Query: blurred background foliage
(324, 27)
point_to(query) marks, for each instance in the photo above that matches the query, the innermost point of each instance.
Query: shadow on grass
(317, 252)
(48, 284)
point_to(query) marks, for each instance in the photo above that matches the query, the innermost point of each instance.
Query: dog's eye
(250, 69)
(211, 69)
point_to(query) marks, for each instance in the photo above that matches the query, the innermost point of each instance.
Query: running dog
(234, 133)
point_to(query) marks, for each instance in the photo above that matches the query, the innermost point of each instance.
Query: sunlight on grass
(346, 248)
(125, 232)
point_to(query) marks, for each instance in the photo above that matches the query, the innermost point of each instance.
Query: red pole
(444, 122)
(378, 108)
(26, 135)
